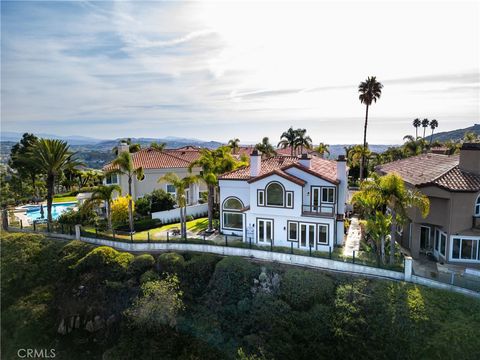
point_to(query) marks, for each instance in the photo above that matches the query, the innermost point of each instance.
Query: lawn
(158, 233)
(65, 199)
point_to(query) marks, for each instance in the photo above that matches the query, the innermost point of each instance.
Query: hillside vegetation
(98, 303)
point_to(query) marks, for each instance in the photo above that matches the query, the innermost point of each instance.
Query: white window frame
(174, 193)
(461, 238)
(332, 189)
(265, 222)
(112, 182)
(288, 230)
(289, 199)
(429, 236)
(283, 197)
(326, 232)
(232, 211)
(261, 203)
(477, 207)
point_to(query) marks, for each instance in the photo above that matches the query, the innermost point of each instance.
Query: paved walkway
(353, 238)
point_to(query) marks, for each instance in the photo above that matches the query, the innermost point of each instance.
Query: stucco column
(415, 240)
(77, 232)
(408, 268)
(194, 189)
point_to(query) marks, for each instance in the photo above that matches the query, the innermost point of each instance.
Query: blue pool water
(33, 212)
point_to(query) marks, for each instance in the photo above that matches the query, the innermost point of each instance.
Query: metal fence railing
(453, 277)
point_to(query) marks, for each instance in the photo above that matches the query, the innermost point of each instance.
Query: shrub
(189, 218)
(231, 281)
(302, 288)
(171, 263)
(120, 211)
(141, 263)
(149, 275)
(161, 201)
(105, 260)
(142, 206)
(198, 272)
(85, 215)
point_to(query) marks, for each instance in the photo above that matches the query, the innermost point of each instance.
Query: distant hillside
(455, 135)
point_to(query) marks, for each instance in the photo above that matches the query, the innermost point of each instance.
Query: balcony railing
(319, 210)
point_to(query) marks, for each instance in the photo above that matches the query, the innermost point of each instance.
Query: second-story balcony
(324, 210)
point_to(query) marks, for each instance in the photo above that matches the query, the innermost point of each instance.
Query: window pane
(311, 235)
(260, 198)
(232, 220)
(289, 199)
(292, 231)
(303, 235)
(456, 249)
(275, 195)
(232, 204)
(261, 231)
(467, 246)
(327, 195)
(170, 188)
(316, 197)
(443, 242)
(322, 234)
(269, 231)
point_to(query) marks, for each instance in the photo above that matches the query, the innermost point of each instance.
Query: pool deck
(20, 212)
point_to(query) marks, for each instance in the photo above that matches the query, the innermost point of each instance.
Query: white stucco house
(286, 199)
(156, 164)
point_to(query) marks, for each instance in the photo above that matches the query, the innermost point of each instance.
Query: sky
(222, 70)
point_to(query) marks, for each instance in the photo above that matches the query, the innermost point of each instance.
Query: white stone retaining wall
(170, 215)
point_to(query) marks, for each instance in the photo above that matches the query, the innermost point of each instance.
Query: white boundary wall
(170, 215)
(283, 258)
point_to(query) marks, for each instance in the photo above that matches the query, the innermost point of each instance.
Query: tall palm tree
(213, 163)
(104, 193)
(395, 196)
(265, 148)
(323, 149)
(302, 141)
(433, 126)
(370, 91)
(181, 186)
(425, 123)
(288, 139)
(123, 165)
(51, 157)
(158, 146)
(234, 144)
(416, 124)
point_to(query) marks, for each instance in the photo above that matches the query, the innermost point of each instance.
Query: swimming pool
(33, 212)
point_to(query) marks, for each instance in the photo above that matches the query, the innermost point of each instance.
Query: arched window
(232, 204)
(232, 216)
(477, 206)
(275, 194)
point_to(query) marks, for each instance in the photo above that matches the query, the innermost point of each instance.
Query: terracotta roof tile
(153, 159)
(323, 168)
(433, 169)
(458, 180)
(421, 169)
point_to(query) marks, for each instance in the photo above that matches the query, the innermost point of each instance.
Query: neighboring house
(156, 164)
(451, 231)
(285, 200)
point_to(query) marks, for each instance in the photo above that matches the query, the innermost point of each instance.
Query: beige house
(451, 231)
(156, 164)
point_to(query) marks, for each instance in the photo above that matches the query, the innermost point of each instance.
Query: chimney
(470, 158)
(123, 147)
(255, 163)
(306, 160)
(343, 186)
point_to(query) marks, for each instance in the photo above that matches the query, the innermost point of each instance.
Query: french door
(307, 236)
(425, 238)
(265, 231)
(316, 199)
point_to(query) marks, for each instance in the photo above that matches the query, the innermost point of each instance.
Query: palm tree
(288, 139)
(412, 147)
(234, 144)
(104, 193)
(123, 165)
(471, 136)
(181, 185)
(323, 149)
(50, 158)
(302, 141)
(416, 125)
(213, 163)
(395, 196)
(158, 146)
(425, 124)
(370, 91)
(433, 126)
(265, 148)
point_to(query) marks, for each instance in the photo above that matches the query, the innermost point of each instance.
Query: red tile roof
(433, 169)
(170, 158)
(326, 169)
(282, 174)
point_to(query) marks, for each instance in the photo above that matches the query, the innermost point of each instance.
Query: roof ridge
(178, 158)
(444, 173)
